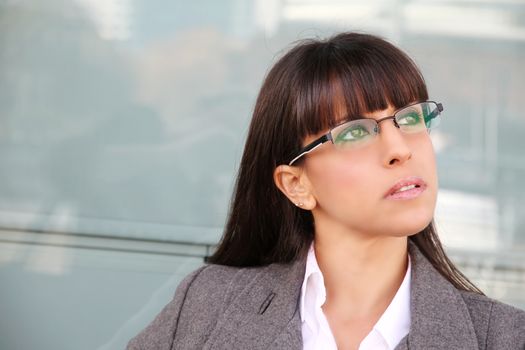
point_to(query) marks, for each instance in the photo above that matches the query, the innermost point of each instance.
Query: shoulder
(497, 325)
(218, 277)
(212, 287)
(494, 311)
(198, 303)
(218, 283)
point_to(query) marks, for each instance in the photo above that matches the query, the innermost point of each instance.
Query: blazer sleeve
(506, 329)
(160, 333)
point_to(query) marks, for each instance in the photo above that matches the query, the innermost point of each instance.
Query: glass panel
(122, 124)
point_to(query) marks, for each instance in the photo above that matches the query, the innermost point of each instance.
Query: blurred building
(122, 124)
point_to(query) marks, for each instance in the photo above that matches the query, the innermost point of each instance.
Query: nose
(396, 151)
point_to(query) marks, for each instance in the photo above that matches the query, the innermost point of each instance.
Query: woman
(330, 241)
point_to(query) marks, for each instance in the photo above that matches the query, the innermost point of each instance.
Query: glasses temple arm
(436, 111)
(309, 148)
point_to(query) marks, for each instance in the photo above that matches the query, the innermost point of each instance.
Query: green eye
(410, 119)
(352, 134)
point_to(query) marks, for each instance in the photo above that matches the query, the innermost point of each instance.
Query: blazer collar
(266, 311)
(439, 316)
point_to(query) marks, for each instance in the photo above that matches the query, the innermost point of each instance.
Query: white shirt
(391, 327)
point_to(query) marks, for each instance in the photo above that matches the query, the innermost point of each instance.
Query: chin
(411, 228)
(408, 225)
(410, 220)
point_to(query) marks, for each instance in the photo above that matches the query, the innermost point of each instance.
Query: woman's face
(353, 189)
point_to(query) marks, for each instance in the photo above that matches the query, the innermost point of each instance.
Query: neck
(361, 274)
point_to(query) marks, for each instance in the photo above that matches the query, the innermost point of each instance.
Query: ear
(293, 182)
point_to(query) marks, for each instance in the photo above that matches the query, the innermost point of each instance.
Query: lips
(411, 184)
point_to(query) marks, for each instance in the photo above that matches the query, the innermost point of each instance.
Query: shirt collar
(393, 324)
(313, 288)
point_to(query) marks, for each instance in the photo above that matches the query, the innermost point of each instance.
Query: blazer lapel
(265, 312)
(439, 316)
(291, 337)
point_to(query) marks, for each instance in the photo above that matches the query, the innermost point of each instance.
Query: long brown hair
(298, 99)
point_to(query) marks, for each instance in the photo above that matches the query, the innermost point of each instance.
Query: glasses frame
(328, 136)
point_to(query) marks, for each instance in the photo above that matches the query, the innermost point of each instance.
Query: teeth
(406, 188)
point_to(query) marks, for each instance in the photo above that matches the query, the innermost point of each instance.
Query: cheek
(426, 161)
(341, 187)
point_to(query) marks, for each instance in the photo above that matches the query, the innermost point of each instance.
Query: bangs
(342, 79)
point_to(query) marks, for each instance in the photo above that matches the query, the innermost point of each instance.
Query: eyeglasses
(356, 133)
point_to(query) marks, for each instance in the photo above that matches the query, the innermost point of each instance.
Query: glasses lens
(432, 115)
(418, 117)
(355, 133)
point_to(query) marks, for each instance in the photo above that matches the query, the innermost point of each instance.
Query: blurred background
(122, 124)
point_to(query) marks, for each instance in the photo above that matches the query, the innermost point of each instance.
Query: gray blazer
(220, 307)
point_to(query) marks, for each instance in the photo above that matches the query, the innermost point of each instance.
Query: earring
(299, 204)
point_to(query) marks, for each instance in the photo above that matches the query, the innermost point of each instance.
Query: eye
(409, 119)
(352, 133)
